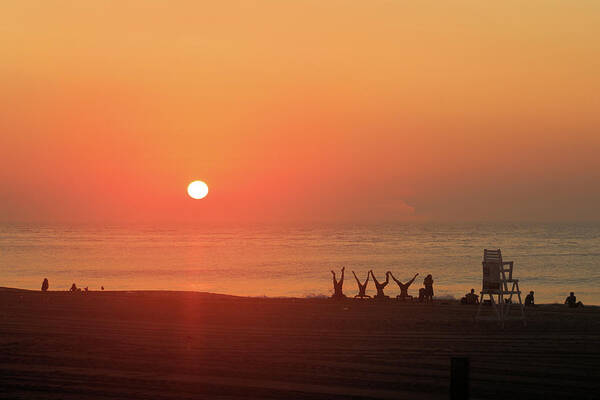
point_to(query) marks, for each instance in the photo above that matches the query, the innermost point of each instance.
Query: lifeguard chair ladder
(499, 285)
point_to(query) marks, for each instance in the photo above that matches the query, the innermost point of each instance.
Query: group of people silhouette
(571, 300)
(425, 293)
(73, 289)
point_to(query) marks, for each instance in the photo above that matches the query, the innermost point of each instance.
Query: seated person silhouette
(45, 285)
(337, 286)
(422, 294)
(470, 298)
(572, 302)
(529, 300)
(73, 288)
(380, 285)
(362, 287)
(403, 287)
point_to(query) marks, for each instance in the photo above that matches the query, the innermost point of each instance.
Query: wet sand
(185, 345)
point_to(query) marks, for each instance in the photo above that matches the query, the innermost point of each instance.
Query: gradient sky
(299, 110)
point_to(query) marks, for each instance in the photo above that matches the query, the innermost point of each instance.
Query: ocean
(552, 259)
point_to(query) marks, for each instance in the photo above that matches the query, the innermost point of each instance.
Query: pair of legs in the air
(380, 285)
(362, 287)
(403, 287)
(337, 285)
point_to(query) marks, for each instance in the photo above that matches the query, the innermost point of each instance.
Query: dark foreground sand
(178, 345)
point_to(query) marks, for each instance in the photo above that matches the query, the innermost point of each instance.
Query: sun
(197, 190)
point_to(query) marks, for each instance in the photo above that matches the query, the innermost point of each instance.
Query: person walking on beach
(428, 283)
(45, 285)
(403, 287)
(572, 302)
(337, 286)
(362, 287)
(380, 286)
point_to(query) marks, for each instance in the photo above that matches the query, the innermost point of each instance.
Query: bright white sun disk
(197, 190)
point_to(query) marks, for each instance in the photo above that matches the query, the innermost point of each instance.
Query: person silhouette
(470, 298)
(337, 286)
(45, 285)
(380, 285)
(572, 302)
(428, 283)
(529, 299)
(73, 288)
(362, 287)
(422, 294)
(403, 287)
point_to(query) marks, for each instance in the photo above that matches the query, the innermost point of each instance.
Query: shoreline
(436, 300)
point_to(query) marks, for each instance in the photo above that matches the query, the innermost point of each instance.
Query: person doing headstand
(380, 286)
(403, 287)
(362, 287)
(337, 286)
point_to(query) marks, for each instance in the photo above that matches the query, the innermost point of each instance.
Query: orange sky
(299, 110)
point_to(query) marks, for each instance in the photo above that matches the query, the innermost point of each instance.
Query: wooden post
(459, 378)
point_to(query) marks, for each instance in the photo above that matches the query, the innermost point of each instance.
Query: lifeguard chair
(499, 285)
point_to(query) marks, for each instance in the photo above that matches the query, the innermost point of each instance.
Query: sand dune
(180, 345)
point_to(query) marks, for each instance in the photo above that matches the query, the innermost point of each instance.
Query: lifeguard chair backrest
(492, 264)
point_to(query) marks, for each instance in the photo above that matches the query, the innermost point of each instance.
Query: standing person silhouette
(337, 286)
(380, 286)
(403, 287)
(362, 287)
(45, 285)
(428, 283)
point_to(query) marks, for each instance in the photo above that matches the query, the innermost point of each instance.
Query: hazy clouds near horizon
(336, 110)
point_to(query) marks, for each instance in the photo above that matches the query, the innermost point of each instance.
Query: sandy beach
(189, 345)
